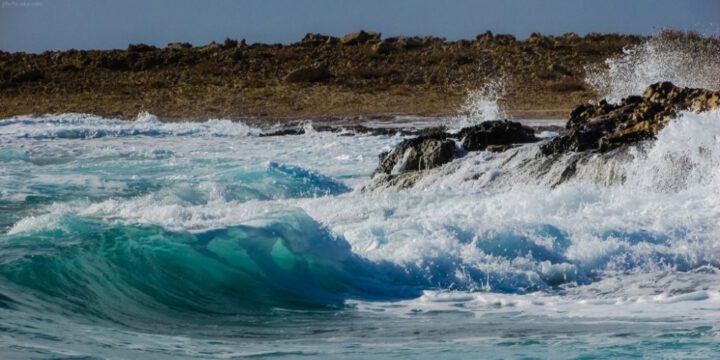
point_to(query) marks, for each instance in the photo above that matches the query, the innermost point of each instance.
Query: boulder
(604, 126)
(314, 73)
(492, 133)
(359, 38)
(420, 153)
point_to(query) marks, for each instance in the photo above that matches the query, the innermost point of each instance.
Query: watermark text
(23, 4)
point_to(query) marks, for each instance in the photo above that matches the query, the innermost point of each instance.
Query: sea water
(150, 240)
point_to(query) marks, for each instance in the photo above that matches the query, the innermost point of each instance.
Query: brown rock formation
(425, 76)
(605, 126)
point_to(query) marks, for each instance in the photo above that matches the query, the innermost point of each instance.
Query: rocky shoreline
(591, 128)
(320, 77)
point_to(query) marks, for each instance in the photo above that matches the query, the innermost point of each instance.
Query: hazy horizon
(35, 26)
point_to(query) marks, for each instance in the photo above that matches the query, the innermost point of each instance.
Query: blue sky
(38, 25)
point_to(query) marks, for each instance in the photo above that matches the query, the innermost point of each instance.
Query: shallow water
(203, 240)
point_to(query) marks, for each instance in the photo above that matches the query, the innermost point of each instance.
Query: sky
(39, 25)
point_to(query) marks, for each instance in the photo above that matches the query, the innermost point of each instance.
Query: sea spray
(685, 59)
(481, 104)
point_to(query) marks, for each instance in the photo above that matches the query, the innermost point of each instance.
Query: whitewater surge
(117, 229)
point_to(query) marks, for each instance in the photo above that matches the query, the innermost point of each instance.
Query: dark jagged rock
(606, 126)
(403, 166)
(420, 153)
(489, 133)
(437, 148)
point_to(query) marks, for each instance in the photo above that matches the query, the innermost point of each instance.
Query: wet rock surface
(604, 126)
(495, 133)
(405, 164)
(420, 153)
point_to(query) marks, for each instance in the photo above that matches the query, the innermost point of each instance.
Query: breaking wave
(192, 227)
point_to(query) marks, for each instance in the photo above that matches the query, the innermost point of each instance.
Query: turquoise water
(147, 240)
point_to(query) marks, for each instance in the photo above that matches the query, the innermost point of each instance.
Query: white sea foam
(484, 222)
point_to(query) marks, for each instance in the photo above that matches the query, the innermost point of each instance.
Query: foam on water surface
(111, 227)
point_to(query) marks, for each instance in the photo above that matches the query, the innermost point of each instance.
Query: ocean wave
(129, 273)
(138, 220)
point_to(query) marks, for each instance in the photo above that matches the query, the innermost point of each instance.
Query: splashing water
(481, 105)
(222, 243)
(684, 59)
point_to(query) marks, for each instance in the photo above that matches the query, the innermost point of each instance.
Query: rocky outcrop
(421, 153)
(489, 133)
(604, 126)
(426, 76)
(591, 127)
(406, 163)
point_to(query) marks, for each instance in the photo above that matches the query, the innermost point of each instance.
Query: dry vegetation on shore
(320, 76)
